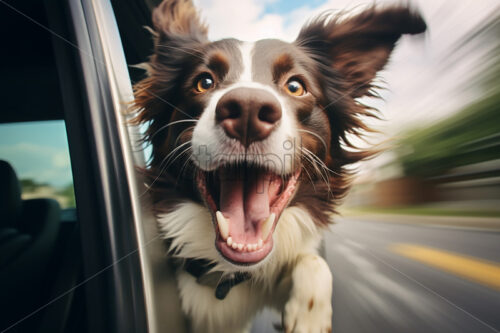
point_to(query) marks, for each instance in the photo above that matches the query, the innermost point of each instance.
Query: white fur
(246, 50)
(211, 147)
(296, 239)
(309, 308)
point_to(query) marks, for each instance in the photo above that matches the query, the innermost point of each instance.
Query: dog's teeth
(223, 225)
(267, 226)
(244, 247)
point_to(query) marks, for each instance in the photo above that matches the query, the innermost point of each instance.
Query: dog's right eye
(204, 83)
(295, 88)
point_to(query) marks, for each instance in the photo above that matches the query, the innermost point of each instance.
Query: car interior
(41, 266)
(39, 246)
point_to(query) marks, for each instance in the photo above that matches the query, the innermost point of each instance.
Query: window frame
(117, 288)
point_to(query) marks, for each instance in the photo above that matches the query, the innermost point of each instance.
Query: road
(392, 277)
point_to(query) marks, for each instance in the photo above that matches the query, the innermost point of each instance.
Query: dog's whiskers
(316, 135)
(184, 165)
(168, 163)
(309, 176)
(172, 123)
(169, 155)
(181, 133)
(321, 162)
(320, 168)
(177, 157)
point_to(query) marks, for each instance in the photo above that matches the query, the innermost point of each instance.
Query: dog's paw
(312, 316)
(309, 309)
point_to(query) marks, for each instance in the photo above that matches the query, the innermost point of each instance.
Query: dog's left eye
(295, 88)
(204, 83)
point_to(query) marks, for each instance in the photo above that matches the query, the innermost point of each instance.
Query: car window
(38, 152)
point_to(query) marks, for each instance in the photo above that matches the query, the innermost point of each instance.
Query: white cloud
(242, 19)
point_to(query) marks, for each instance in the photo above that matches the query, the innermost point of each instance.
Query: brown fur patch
(359, 46)
(282, 65)
(219, 63)
(311, 304)
(178, 17)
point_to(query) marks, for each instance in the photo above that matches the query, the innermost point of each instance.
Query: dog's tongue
(245, 201)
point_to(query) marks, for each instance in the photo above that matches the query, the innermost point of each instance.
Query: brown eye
(204, 83)
(295, 88)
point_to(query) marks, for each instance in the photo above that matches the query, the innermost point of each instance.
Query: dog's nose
(248, 114)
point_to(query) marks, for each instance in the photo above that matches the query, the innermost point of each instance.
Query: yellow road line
(474, 269)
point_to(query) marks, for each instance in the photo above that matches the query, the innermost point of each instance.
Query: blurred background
(445, 159)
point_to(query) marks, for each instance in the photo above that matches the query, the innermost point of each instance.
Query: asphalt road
(453, 287)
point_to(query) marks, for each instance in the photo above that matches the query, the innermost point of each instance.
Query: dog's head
(250, 128)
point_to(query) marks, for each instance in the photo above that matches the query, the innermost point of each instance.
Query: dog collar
(199, 268)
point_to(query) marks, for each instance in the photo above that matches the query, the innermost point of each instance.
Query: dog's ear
(179, 18)
(359, 46)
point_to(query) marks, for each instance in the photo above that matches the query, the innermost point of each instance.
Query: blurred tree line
(472, 135)
(64, 195)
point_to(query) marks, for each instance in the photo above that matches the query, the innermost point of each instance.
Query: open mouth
(246, 203)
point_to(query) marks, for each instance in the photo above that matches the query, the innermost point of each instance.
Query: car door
(119, 237)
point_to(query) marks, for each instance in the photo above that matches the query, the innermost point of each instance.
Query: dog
(250, 154)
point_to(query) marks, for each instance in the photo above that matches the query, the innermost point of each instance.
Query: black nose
(248, 114)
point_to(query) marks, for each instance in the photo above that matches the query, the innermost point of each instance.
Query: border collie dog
(250, 143)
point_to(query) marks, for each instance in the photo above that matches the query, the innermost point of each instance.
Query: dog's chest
(209, 314)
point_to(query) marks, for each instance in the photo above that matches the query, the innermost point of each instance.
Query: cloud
(242, 19)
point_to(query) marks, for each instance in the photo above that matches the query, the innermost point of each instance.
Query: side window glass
(38, 152)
